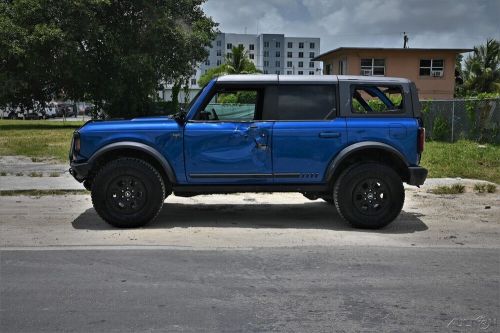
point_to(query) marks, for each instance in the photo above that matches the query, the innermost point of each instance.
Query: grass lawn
(464, 159)
(37, 138)
(51, 139)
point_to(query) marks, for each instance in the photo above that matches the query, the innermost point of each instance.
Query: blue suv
(351, 141)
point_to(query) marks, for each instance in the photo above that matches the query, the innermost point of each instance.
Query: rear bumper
(417, 175)
(79, 170)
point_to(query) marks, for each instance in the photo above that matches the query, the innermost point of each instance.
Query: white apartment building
(271, 53)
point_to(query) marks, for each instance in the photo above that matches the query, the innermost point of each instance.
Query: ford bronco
(351, 141)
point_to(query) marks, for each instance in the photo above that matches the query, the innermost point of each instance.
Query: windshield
(195, 98)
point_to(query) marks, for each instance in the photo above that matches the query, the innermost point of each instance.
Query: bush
(441, 129)
(453, 189)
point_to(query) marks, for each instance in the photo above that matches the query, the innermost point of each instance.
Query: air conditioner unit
(366, 72)
(437, 73)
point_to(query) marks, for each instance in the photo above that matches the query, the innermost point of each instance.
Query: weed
(453, 189)
(3, 173)
(19, 174)
(35, 174)
(54, 174)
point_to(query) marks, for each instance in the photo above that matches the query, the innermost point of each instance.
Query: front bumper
(79, 170)
(417, 175)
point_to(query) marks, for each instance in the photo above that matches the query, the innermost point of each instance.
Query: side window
(234, 105)
(302, 102)
(374, 99)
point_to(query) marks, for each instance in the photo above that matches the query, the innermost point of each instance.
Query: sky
(368, 23)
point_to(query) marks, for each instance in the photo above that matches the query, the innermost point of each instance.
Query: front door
(225, 143)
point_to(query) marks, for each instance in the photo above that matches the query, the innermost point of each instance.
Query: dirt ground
(252, 221)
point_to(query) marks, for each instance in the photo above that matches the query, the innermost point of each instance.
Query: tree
(113, 53)
(482, 69)
(236, 62)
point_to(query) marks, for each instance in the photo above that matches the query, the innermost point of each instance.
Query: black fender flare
(356, 147)
(132, 145)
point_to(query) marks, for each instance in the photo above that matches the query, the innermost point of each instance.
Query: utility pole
(405, 39)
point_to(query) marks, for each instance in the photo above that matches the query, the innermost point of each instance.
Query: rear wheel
(369, 195)
(128, 192)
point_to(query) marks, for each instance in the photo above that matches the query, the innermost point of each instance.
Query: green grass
(38, 139)
(39, 193)
(453, 189)
(465, 159)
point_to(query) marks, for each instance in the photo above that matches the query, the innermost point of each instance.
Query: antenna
(405, 40)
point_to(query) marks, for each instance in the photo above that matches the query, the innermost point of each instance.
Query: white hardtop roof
(274, 78)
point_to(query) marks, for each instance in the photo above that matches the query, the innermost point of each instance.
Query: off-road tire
(122, 180)
(369, 195)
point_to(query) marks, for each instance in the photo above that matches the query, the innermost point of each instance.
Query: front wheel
(128, 192)
(369, 195)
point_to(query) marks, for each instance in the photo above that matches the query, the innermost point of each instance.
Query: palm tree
(482, 69)
(236, 62)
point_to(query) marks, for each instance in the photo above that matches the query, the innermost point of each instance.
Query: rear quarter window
(377, 99)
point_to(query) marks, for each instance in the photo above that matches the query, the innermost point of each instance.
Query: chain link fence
(471, 119)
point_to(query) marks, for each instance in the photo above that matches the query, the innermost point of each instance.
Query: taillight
(421, 139)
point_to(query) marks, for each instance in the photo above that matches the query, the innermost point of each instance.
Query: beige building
(432, 70)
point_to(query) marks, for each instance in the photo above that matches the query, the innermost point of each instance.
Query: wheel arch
(368, 151)
(135, 150)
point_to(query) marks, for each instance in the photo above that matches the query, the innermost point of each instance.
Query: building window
(219, 62)
(219, 53)
(311, 64)
(278, 44)
(229, 46)
(219, 43)
(251, 56)
(207, 62)
(289, 72)
(342, 67)
(301, 54)
(432, 67)
(375, 67)
(289, 54)
(289, 64)
(311, 72)
(193, 82)
(278, 72)
(266, 53)
(277, 64)
(301, 73)
(301, 64)
(265, 71)
(266, 44)
(311, 55)
(312, 46)
(251, 47)
(229, 55)
(240, 45)
(301, 45)
(290, 45)
(266, 63)
(328, 69)
(278, 54)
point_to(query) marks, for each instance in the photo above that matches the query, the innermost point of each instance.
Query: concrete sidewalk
(63, 182)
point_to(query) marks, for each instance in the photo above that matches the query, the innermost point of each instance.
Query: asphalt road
(308, 289)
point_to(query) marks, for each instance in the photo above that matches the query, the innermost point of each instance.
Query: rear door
(307, 133)
(225, 142)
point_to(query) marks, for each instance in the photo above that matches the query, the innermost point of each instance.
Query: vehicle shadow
(311, 215)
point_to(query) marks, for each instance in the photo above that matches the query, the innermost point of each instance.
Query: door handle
(331, 135)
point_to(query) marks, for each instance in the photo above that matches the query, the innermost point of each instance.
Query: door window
(377, 99)
(301, 102)
(234, 105)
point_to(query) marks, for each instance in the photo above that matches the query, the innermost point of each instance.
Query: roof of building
(398, 49)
